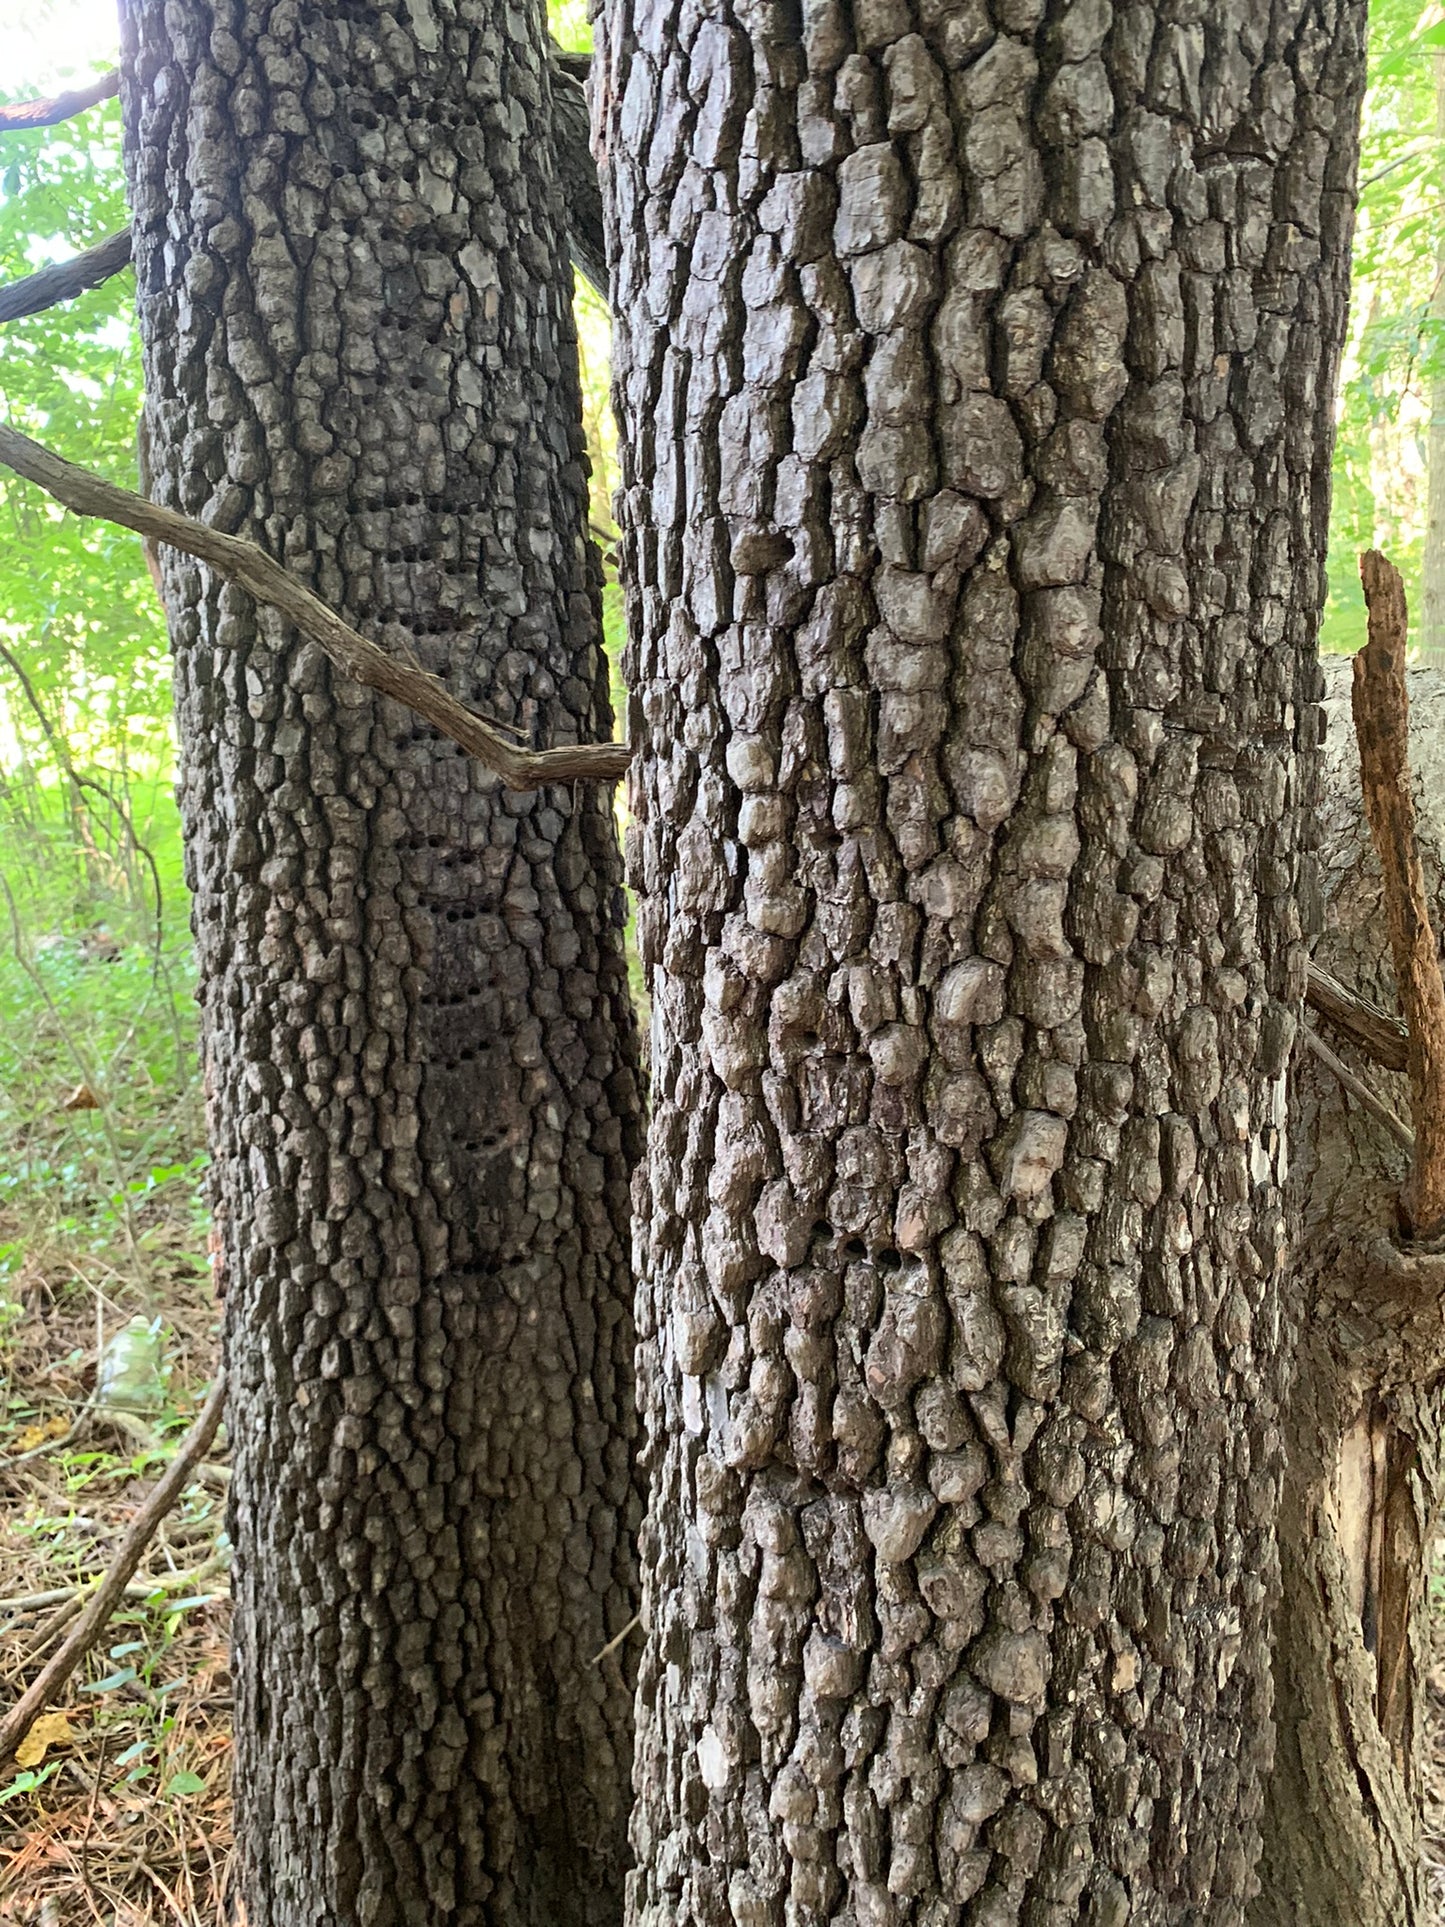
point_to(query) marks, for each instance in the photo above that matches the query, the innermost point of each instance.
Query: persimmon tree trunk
(1363, 1483)
(975, 370)
(419, 1046)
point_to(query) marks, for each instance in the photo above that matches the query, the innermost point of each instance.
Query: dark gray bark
(420, 1055)
(974, 368)
(1363, 1427)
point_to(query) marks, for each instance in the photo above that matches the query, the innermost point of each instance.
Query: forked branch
(1382, 730)
(252, 569)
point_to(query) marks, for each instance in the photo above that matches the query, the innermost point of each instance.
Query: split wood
(63, 280)
(50, 113)
(1382, 731)
(1371, 1030)
(111, 1590)
(252, 569)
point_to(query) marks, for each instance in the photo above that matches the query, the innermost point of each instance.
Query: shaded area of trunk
(975, 369)
(419, 1046)
(1363, 1426)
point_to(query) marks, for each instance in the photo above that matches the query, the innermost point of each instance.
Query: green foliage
(1395, 354)
(75, 600)
(97, 1058)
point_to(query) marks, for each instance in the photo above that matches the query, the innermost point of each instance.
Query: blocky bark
(419, 1046)
(974, 366)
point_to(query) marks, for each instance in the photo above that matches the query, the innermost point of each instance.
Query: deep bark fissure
(419, 1049)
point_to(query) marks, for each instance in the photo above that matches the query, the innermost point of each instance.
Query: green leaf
(185, 1783)
(28, 1781)
(111, 1681)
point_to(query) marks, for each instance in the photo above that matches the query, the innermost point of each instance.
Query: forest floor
(118, 1811)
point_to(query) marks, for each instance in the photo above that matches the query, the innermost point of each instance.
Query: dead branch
(63, 280)
(20, 1605)
(617, 1639)
(252, 569)
(1358, 1088)
(1382, 730)
(111, 1590)
(1370, 1029)
(50, 113)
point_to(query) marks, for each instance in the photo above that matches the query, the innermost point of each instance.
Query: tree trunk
(419, 1045)
(1363, 1429)
(975, 373)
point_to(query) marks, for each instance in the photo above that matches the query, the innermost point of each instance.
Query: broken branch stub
(1370, 1029)
(1382, 723)
(252, 569)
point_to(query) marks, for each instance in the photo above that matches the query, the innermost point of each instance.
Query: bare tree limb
(1370, 1029)
(1382, 730)
(252, 569)
(1358, 1088)
(63, 280)
(111, 1590)
(49, 113)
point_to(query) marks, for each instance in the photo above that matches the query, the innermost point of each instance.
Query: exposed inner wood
(1364, 1024)
(1382, 721)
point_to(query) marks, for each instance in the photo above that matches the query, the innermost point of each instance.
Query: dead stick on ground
(1358, 1088)
(57, 1670)
(1382, 730)
(252, 569)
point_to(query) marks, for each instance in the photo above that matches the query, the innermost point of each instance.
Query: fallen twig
(244, 563)
(146, 1588)
(1382, 730)
(57, 1670)
(47, 1447)
(62, 280)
